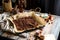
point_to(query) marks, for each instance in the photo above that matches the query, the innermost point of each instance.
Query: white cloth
(49, 37)
(53, 28)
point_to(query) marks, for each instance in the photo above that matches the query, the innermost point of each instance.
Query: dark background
(52, 6)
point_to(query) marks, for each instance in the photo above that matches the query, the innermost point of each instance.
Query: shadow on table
(59, 37)
(4, 38)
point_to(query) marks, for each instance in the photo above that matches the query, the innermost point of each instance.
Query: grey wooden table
(53, 29)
